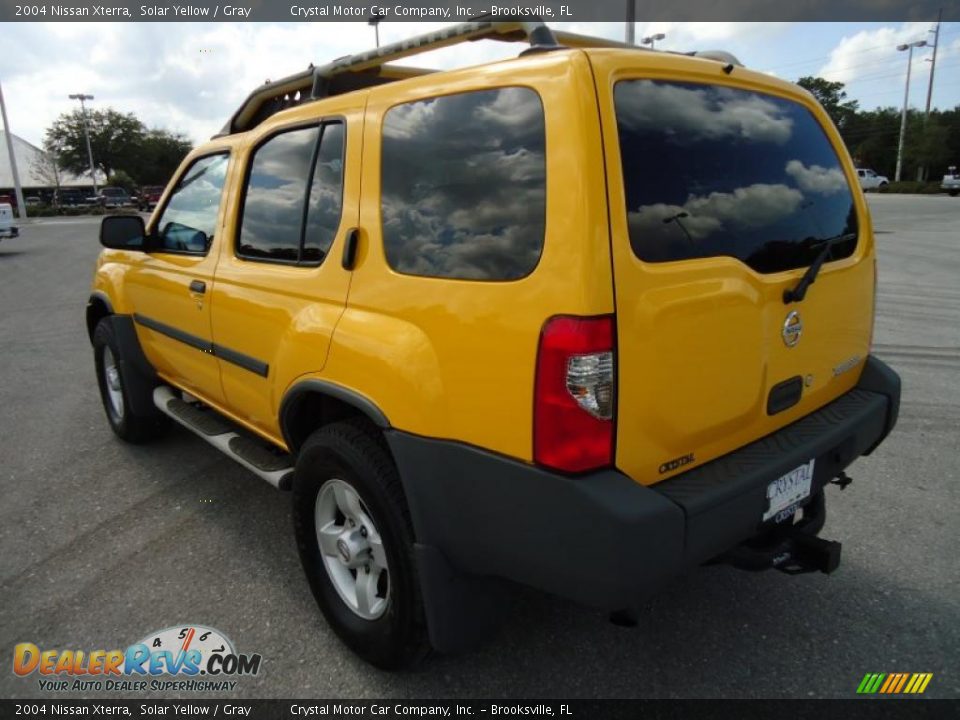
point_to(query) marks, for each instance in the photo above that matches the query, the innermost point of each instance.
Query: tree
(833, 98)
(115, 139)
(122, 180)
(159, 156)
(46, 166)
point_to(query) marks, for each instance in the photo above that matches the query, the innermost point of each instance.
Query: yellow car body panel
(455, 359)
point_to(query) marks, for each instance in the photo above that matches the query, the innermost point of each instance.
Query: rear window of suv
(714, 171)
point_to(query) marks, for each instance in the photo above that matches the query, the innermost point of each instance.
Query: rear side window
(464, 185)
(292, 204)
(712, 171)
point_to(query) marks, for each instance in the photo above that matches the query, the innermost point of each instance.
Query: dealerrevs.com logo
(182, 658)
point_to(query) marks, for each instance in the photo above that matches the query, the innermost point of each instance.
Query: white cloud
(872, 52)
(697, 113)
(817, 179)
(753, 206)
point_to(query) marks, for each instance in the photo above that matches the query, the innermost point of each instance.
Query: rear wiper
(797, 293)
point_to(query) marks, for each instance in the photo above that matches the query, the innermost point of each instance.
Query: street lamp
(374, 20)
(86, 133)
(906, 98)
(651, 39)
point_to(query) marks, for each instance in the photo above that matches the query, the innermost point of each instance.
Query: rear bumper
(603, 539)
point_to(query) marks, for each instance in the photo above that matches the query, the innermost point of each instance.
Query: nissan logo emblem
(792, 329)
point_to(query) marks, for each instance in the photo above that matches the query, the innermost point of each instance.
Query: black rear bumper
(603, 539)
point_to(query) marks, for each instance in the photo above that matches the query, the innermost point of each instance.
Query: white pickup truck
(951, 181)
(7, 228)
(869, 180)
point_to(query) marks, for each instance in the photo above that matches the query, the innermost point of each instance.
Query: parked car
(149, 196)
(869, 180)
(951, 181)
(114, 197)
(7, 228)
(483, 339)
(70, 197)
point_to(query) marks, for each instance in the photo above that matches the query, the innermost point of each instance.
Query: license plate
(788, 489)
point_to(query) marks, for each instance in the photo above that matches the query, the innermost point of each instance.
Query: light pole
(933, 60)
(630, 36)
(906, 99)
(17, 190)
(652, 39)
(86, 133)
(374, 20)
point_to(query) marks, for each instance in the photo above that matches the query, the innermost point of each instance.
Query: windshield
(711, 171)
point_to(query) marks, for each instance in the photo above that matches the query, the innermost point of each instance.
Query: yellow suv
(580, 320)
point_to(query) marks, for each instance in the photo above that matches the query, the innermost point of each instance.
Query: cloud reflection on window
(714, 171)
(464, 185)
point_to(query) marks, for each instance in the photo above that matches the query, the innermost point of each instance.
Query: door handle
(198, 286)
(350, 249)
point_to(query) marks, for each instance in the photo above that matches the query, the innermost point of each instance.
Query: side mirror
(123, 232)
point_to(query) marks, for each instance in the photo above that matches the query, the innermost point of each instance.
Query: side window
(464, 185)
(277, 202)
(189, 220)
(326, 195)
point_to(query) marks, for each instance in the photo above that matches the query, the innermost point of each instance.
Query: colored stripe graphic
(903, 681)
(894, 683)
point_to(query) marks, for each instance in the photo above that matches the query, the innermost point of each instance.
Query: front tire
(355, 540)
(114, 381)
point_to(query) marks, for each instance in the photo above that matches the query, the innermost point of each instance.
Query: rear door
(723, 190)
(281, 285)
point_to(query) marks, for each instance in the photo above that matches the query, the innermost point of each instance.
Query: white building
(37, 175)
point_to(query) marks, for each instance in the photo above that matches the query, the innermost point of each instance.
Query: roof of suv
(374, 67)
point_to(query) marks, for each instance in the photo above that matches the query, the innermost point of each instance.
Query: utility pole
(933, 60)
(630, 36)
(906, 99)
(18, 191)
(86, 133)
(922, 171)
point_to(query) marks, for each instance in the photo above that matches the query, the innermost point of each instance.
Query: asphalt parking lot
(101, 542)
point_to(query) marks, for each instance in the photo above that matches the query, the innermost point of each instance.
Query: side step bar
(227, 438)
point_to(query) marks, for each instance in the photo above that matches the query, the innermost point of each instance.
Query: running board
(227, 438)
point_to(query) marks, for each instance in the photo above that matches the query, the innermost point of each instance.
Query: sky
(190, 77)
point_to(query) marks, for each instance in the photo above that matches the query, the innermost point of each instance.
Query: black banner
(443, 11)
(915, 709)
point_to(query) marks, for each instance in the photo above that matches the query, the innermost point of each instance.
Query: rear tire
(113, 378)
(360, 565)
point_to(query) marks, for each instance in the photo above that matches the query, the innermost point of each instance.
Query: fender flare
(314, 387)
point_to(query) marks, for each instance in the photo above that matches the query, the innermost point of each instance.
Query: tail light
(573, 413)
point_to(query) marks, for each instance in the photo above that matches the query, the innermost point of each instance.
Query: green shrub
(911, 187)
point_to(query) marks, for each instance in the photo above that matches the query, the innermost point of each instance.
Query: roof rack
(371, 68)
(366, 69)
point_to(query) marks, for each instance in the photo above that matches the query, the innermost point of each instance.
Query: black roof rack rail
(374, 67)
(317, 82)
